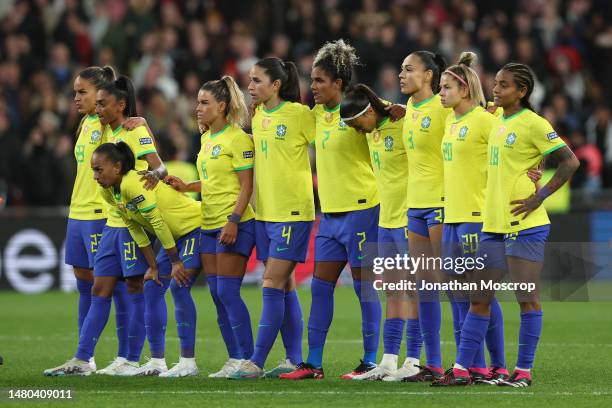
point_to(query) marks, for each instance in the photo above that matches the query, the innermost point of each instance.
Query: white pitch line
(311, 392)
(329, 341)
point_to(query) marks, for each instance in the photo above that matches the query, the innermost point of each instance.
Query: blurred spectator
(589, 176)
(170, 48)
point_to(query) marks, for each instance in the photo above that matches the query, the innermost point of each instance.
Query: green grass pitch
(573, 365)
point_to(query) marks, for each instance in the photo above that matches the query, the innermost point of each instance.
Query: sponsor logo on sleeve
(145, 140)
(552, 136)
(248, 154)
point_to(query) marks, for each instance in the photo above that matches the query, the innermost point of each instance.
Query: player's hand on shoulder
(134, 122)
(396, 112)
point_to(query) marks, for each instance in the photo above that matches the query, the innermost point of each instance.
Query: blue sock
(529, 336)
(321, 315)
(84, 288)
(231, 344)
(495, 336)
(371, 316)
(156, 316)
(185, 316)
(292, 329)
(430, 318)
(228, 289)
(455, 308)
(122, 318)
(472, 336)
(92, 327)
(136, 331)
(392, 335)
(414, 340)
(270, 323)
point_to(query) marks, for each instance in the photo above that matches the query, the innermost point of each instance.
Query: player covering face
(363, 110)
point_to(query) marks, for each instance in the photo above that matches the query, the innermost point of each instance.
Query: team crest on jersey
(281, 132)
(131, 206)
(265, 122)
(463, 131)
(510, 139)
(342, 125)
(96, 135)
(388, 143)
(425, 122)
(215, 151)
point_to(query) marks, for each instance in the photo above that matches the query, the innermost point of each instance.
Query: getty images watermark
(453, 270)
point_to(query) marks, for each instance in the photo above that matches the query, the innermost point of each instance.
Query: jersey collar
(274, 109)
(117, 130)
(514, 115)
(423, 102)
(460, 118)
(219, 132)
(334, 109)
(382, 123)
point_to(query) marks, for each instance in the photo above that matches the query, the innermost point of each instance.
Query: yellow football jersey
(282, 167)
(140, 143)
(162, 211)
(423, 131)
(464, 150)
(344, 170)
(391, 171)
(86, 202)
(222, 154)
(516, 144)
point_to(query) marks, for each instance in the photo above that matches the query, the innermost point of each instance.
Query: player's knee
(134, 285)
(101, 289)
(530, 306)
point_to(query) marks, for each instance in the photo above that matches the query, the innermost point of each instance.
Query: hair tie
(357, 115)
(457, 76)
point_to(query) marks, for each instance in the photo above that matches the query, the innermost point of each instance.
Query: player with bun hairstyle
(350, 207)
(423, 131)
(364, 111)
(464, 150)
(515, 225)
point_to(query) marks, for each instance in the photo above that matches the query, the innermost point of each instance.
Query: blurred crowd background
(170, 47)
